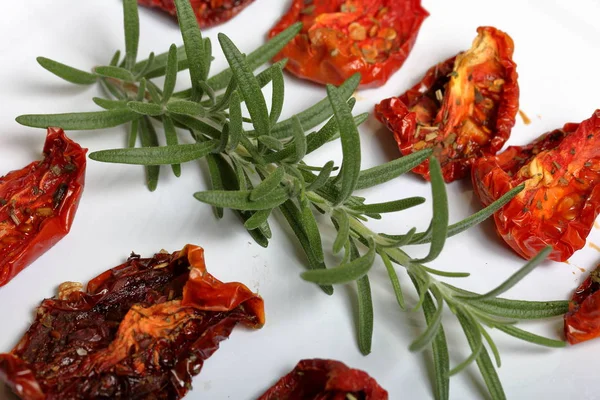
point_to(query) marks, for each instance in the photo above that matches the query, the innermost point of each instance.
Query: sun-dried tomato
(342, 37)
(582, 322)
(464, 108)
(38, 203)
(561, 199)
(208, 12)
(325, 380)
(141, 330)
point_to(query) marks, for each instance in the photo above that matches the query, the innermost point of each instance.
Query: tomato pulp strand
(38, 203)
(561, 199)
(464, 108)
(140, 330)
(342, 37)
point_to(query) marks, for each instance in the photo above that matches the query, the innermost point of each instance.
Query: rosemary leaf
(530, 337)
(277, 96)
(171, 74)
(394, 280)
(147, 67)
(149, 141)
(322, 177)
(441, 358)
(133, 133)
(478, 217)
(317, 113)
(439, 221)
(258, 57)
(269, 184)
(312, 230)
(240, 200)
(299, 141)
(109, 104)
(150, 109)
(248, 86)
(343, 230)
(473, 333)
(67, 73)
(236, 125)
(516, 309)
(350, 144)
(493, 347)
(433, 326)
(391, 170)
(115, 73)
(513, 279)
(293, 218)
(132, 32)
(115, 58)
(79, 121)
(171, 137)
(165, 155)
(159, 64)
(365, 315)
(390, 206)
(343, 273)
(257, 219)
(194, 45)
(185, 108)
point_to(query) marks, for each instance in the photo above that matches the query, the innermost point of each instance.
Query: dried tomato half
(582, 322)
(208, 12)
(325, 380)
(342, 37)
(141, 330)
(38, 203)
(561, 199)
(464, 108)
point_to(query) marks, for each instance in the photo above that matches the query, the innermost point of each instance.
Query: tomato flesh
(561, 199)
(464, 108)
(38, 203)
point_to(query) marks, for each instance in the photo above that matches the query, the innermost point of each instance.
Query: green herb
(261, 172)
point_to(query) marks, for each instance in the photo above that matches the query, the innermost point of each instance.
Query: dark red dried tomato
(464, 108)
(342, 37)
(582, 322)
(561, 199)
(38, 203)
(208, 12)
(325, 380)
(141, 330)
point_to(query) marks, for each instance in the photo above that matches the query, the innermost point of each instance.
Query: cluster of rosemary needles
(260, 170)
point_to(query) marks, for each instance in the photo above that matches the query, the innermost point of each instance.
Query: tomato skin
(582, 322)
(319, 379)
(208, 12)
(561, 199)
(464, 108)
(141, 330)
(38, 203)
(342, 37)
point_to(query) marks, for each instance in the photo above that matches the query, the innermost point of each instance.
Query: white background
(558, 57)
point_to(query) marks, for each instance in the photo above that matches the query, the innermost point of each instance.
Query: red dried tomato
(342, 37)
(464, 108)
(325, 380)
(561, 199)
(140, 331)
(582, 322)
(38, 203)
(208, 12)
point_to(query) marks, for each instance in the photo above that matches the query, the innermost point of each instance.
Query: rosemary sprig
(259, 172)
